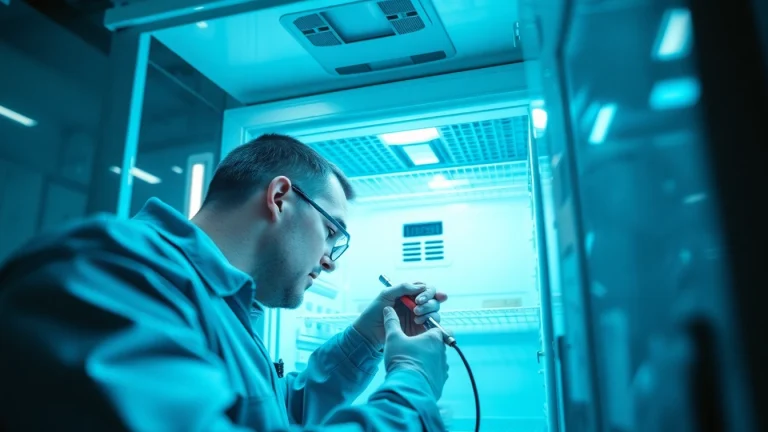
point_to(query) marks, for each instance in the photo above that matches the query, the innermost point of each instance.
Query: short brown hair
(256, 163)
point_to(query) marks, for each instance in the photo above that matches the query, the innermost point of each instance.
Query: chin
(293, 301)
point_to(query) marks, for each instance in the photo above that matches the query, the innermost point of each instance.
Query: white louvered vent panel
(428, 250)
(413, 251)
(434, 250)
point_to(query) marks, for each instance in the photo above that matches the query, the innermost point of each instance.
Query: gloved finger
(421, 319)
(391, 322)
(430, 306)
(427, 295)
(441, 297)
(397, 291)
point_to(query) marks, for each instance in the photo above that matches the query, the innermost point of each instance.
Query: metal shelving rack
(516, 318)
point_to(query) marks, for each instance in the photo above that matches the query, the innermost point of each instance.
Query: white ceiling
(255, 59)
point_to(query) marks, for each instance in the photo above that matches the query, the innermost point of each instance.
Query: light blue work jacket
(142, 324)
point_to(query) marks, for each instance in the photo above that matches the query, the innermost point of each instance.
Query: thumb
(391, 322)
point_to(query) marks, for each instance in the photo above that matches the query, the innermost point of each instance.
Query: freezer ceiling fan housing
(369, 36)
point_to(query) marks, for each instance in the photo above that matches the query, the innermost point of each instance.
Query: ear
(277, 190)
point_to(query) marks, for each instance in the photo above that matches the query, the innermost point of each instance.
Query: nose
(327, 264)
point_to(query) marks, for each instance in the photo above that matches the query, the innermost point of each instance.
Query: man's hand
(424, 353)
(370, 324)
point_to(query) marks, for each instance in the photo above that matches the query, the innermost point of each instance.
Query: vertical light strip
(196, 189)
(602, 124)
(140, 63)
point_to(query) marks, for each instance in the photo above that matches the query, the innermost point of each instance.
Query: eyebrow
(341, 222)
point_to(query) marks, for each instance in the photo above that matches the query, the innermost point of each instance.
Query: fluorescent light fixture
(18, 118)
(421, 154)
(694, 198)
(177, 169)
(675, 93)
(202, 25)
(410, 137)
(602, 124)
(440, 182)
(674, 39)
(139, 174)
(143, 175)
(196, 189)
(539, 118)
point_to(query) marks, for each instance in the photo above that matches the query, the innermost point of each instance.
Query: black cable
(450, 341)
(474, 387)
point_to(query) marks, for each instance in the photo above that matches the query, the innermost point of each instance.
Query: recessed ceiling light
(410, 137)
(421, 154)
(139, 174)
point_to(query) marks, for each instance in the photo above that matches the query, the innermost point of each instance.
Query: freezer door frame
(410, 104)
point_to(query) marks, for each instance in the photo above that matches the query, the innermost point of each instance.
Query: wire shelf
(498, 318)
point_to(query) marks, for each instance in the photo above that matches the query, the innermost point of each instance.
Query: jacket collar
(222, 278)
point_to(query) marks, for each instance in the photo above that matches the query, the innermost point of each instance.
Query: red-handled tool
(430, 322)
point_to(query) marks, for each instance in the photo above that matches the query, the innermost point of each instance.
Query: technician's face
(299, 242)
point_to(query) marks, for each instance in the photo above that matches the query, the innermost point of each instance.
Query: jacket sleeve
(340, 370)
(102, 341)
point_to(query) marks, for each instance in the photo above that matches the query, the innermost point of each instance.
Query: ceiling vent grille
(393, 63)
(395, 9)
(317, 31)
(355, 69)
(428, 57)
(369, 36)
(473, 143)
(403, 16)
(324, 39)
(309, 23)
(408, 25)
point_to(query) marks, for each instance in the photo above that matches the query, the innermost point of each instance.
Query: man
(144, 324)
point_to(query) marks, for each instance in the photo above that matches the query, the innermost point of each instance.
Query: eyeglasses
(342, 241)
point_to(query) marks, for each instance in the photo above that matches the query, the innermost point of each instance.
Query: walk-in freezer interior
(464, 224)
(557, 191)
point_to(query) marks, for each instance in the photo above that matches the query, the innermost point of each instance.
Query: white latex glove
(370, 323)
(424, 353)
